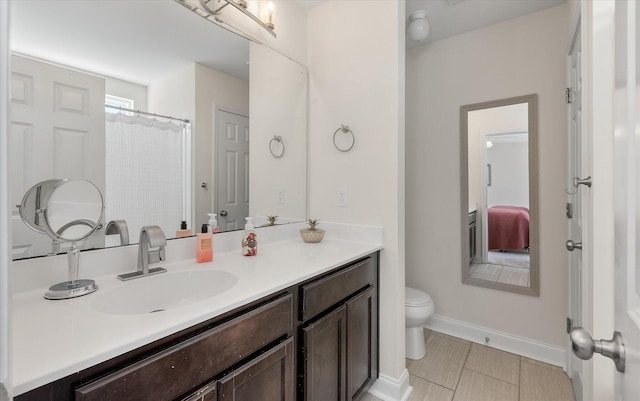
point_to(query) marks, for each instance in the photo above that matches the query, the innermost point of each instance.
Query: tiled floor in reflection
(503, 267)
(458, 370)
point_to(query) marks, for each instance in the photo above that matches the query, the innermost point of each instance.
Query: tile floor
(507, 267)
(458, 370)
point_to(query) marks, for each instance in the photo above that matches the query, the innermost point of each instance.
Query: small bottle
(204, 245)
(183, 231)
(249, 240)
(213, 223)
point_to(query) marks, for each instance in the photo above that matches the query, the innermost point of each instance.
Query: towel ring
(278, 139)
(345, 130)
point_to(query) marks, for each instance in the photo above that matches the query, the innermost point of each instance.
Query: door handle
(573, 245)
(223, 213)
(584, 346)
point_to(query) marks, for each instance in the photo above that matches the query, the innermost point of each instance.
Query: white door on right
(578, 200)
(232, 170)
(627, 195)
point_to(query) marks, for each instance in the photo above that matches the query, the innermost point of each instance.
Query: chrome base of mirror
(71, 289)
(138, 274)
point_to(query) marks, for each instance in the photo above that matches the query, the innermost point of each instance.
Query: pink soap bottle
(204, 245)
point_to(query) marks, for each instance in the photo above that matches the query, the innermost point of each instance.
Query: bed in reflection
(508, 228)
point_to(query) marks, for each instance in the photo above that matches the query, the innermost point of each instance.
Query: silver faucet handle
(156, 256)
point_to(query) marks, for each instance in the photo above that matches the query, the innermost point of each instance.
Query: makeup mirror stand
(74, 287)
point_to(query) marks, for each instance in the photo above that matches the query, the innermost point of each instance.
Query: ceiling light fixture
(419, 26)
(212, 9)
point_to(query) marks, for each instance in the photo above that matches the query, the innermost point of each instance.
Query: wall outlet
(280, 195)
(342, 197)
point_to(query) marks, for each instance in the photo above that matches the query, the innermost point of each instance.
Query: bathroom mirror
(138, 51)
(499, 194)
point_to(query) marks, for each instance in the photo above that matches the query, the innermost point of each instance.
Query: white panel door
(57, 131)
(232, 170)
(627, 195)
(576, 199)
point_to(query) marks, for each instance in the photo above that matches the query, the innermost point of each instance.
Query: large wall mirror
(72, 59)
(499, 194)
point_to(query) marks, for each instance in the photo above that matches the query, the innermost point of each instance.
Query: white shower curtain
(146, 173)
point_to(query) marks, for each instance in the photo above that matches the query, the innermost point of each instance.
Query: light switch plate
(280, 195)
(342, 197)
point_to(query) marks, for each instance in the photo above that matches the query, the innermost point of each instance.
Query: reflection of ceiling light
(489, 144)
(212, 10)
(419, 26)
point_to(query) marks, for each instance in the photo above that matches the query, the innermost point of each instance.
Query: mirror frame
(534, 244)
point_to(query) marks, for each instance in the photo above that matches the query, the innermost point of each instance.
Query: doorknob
(583, 346)
(573, 245)
(223, 213)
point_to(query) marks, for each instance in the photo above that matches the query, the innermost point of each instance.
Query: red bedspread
(508, 227)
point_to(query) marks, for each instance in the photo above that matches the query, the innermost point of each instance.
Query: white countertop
(53, 339)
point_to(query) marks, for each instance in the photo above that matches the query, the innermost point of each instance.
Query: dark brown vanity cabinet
(325, 330)
(340, 333)
(167, 375)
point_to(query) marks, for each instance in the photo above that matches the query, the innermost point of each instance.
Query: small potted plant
(312, 233)
(271, 221)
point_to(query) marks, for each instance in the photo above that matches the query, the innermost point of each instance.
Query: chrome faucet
(119, 227)
(150, 237)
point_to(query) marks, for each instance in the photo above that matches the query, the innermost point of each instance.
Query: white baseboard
(388, 389)
(551, 354)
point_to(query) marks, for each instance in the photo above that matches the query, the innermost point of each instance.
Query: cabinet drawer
(178, 369)
(322, 294)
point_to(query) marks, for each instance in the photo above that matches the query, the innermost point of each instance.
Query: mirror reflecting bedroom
(498, 141)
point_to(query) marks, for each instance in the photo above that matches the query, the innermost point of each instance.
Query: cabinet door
(362, 342)
(268, 377)
(325, 358)
(204, 393)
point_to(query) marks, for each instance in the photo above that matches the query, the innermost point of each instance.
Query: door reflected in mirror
(499, 194)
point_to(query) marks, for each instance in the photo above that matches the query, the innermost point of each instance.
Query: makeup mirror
(499, 194)
(69, 211)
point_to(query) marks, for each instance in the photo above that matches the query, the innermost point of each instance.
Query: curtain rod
(145, 113)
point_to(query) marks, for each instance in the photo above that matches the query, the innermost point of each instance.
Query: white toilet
(418, 307)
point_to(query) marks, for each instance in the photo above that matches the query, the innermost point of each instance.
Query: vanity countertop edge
(52, 339)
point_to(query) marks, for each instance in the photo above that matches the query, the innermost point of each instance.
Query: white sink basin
(164, 291)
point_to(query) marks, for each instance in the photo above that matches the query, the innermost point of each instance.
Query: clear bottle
(204, 245)
(249, 239)
(213, 223)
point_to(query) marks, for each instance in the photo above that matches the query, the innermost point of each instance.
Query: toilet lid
(414, 297)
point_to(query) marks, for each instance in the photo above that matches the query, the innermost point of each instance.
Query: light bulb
(419, 26)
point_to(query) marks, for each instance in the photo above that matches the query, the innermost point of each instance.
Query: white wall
(517, 57)
(509, 174)
(356, 65)
(511, 118)
(278, 89)
(194, 93)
